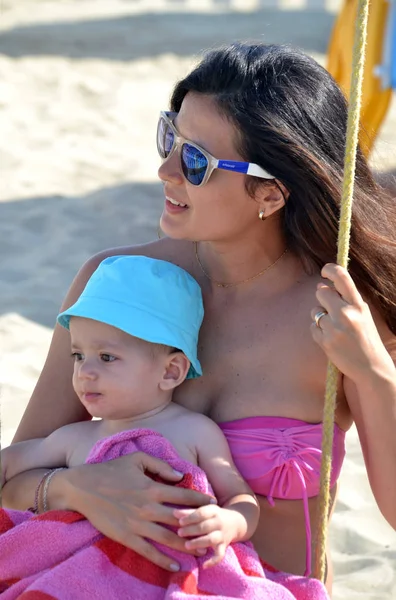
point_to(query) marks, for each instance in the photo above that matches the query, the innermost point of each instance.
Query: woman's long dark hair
(290, 117)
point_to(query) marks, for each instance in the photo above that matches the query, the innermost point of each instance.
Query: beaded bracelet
(48, 478)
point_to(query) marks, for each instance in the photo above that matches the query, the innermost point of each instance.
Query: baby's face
(116, 376)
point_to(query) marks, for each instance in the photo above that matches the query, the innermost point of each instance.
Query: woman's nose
(170, 171)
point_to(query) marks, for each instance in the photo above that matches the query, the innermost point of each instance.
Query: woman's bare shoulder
(163, 249)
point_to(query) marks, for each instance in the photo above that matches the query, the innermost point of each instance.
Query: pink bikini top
(280, 458)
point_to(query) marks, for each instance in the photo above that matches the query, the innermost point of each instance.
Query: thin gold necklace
(226, 285)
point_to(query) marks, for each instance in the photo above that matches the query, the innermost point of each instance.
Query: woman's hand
(347, 332)
(126, 505)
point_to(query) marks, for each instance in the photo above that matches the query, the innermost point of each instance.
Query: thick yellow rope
(352, 136)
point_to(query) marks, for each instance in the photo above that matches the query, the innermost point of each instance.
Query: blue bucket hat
(150, 299)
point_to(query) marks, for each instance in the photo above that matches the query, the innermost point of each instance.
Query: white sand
(81, 84)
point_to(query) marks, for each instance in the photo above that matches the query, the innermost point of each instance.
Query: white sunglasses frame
(235, 166)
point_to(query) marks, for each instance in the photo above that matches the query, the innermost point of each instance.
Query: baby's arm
(236, 516)
(49, 452)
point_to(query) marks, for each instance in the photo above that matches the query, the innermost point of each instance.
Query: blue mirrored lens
(194, 164)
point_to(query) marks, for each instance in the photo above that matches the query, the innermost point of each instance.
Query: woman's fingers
(320, 317)
(127, 533)
(171, 494)
(158, 513)
(126, 505)
(182, 496)
(339, 312)
(339, 298)
(329, 299)
(343, 283)
(158, 467)
(149, 551)
(343, 326)
(161, 535)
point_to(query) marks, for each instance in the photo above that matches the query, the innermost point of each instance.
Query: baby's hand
(211, 527)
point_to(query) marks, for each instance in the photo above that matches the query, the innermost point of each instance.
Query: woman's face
(221, 209)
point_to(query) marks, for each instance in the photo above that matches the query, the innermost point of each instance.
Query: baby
(134, 333)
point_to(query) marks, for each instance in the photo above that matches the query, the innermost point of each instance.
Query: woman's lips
(174, 208)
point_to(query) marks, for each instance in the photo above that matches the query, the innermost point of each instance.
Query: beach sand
(81, 84)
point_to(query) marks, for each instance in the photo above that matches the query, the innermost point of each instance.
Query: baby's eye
(77, 356)
(107, 357)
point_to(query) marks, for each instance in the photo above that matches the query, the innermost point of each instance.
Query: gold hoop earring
(262, 215)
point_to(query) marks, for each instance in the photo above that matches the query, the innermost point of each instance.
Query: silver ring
(318, 316)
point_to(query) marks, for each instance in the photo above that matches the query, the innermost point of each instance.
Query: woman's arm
(372, 401)
(364, 351)
(19, 492)
(128, 509)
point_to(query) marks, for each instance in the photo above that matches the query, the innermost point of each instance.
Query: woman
(261, 246)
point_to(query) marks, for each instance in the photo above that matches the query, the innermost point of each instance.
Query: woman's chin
(169, 227)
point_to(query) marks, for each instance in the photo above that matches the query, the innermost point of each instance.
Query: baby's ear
(176, 369)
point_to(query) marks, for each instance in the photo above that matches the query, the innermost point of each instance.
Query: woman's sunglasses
(197, 164)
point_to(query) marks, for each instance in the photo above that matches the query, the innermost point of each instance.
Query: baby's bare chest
(84, 442)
